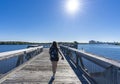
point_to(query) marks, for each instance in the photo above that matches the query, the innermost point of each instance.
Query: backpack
(53, 52)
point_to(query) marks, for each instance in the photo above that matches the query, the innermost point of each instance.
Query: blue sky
(48, 20)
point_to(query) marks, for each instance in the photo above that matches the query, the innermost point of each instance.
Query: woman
(54, 57)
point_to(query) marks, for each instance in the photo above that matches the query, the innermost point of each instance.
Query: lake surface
(109, 51)
(4, 48)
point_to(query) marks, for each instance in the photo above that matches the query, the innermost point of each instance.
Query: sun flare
(72, 6)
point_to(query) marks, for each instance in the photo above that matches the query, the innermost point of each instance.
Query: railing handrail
(8, 54)
(102, 61)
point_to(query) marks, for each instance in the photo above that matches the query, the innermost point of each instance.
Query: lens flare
(72, 6)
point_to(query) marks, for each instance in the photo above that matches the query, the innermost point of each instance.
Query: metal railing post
(76, 58)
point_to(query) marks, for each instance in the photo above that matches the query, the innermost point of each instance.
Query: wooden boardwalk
(38, 71)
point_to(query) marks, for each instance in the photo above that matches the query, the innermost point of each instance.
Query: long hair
(54, 44)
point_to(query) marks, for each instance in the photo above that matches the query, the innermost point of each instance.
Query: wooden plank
(39, 71)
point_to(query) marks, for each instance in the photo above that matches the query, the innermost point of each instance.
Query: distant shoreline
(14, 43)
(32, 43)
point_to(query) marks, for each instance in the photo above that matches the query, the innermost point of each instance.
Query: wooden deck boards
(39, 71)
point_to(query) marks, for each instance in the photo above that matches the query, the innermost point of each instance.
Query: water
(105, 50)
(4, 48)
(108, 51)
(9, 64)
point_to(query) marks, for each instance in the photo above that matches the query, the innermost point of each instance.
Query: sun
(72, 6)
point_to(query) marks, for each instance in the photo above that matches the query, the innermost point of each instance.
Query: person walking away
(54, 52)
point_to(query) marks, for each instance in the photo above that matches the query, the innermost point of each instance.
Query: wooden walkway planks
(38, 71)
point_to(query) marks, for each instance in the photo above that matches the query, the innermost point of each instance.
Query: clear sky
(50, 20)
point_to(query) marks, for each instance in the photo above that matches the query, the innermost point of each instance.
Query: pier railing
(99, 70)
(12, 59)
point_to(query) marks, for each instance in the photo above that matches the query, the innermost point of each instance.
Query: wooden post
(20, 60)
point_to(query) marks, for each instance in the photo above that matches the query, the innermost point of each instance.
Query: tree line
(14, 43)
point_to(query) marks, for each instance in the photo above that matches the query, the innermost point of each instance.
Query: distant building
(92, 42)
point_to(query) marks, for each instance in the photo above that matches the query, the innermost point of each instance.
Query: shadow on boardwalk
(77, 71)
